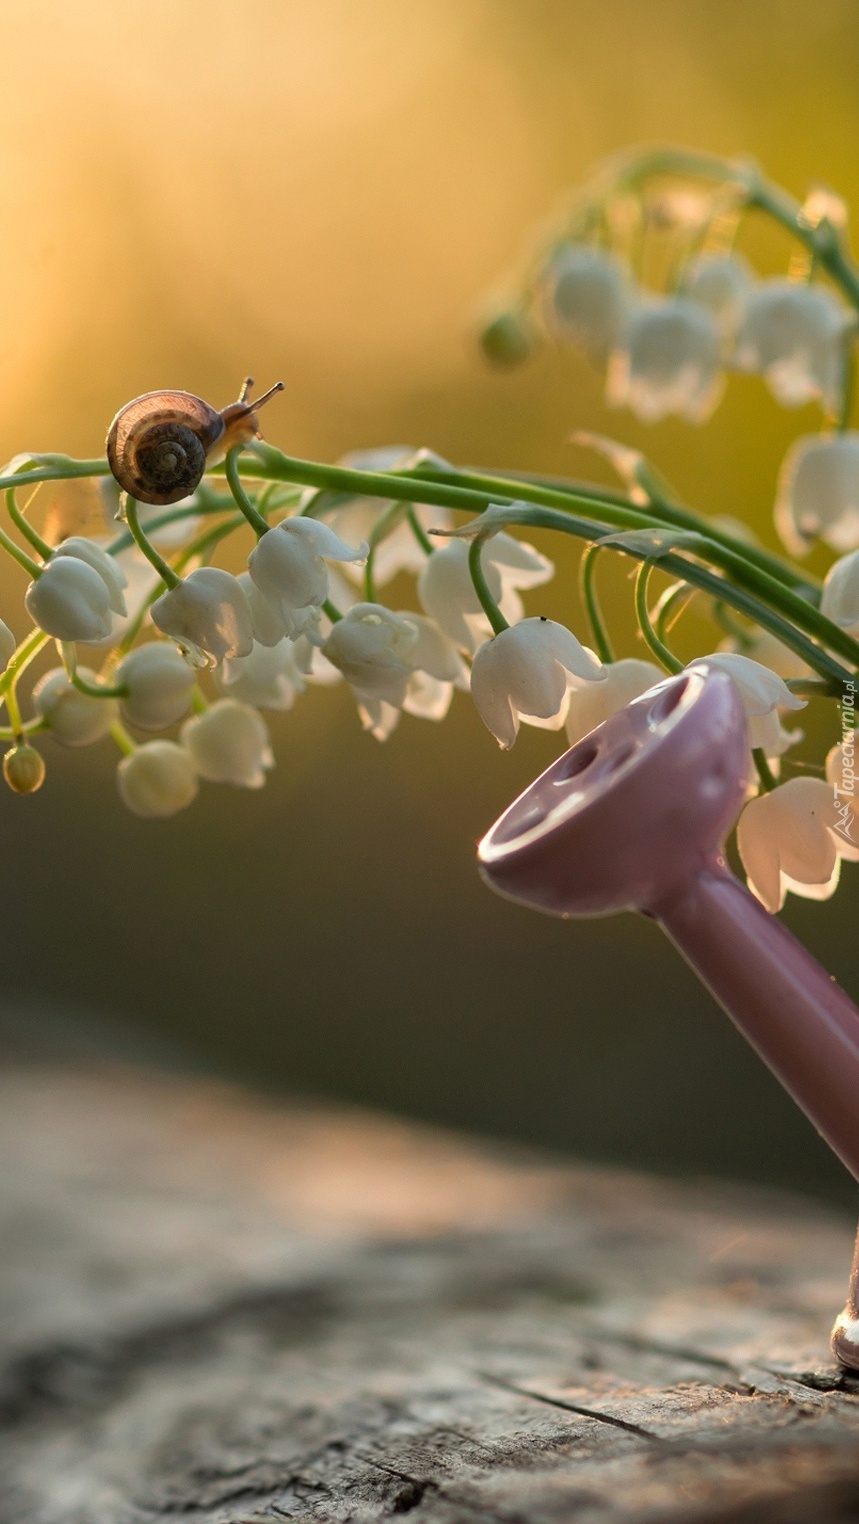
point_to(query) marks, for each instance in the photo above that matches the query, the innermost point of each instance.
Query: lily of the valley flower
(288, 565)
(447, 594)
(207, 614)
(71, 601)
(229, 743)
(788, 842)
(73, 718)
(107, 567)
(587, 299)
(270, 678)
(841, 776)
(157, 780)
(159, 682)
(818, 493)
(373, 648)
(439, 669)
(669, 362)
(722, 283)
(793, 334)
(524, 672)
(592, 703)
(771, 652)
(840, 598)
(763, 694)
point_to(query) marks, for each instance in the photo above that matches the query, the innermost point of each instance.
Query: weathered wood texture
(218, 1308)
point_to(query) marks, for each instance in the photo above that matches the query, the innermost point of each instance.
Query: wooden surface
(215, 1308)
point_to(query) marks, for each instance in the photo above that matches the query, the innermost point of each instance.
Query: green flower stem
(41, 546)
(481, 586)
(199, 702)
(666, 658)
(231, 465)
(29, 728)
(20, 659)
(165, 572)
(768, 780)
(14, 712)
(418, 530)
(29, 565)
(219, 502)
(123, 739)
(332, 611)
(670, 606)
(587, 567)
(98, 690)
(689, 571)
(384, 525)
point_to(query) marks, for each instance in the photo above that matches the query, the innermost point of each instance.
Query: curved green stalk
(666, 658)
(587, 567)
(18, 518)
(258, 524)
(164, 570)
(481, 586)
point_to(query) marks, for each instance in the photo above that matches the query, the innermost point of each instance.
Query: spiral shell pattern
(157, 445)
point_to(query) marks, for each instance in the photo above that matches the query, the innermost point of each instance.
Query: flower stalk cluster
(178, 662)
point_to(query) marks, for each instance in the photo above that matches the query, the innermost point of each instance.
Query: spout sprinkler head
(633, 809)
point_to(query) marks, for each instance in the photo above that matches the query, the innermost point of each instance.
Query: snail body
(160, 445)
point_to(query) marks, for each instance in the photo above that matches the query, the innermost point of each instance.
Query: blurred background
(323, 191)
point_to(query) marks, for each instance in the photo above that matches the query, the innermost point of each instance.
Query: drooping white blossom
(159, 682)
(288, 568)
(207, 614)
(591, 703)
(373, 648)
(229, 743)
(771, 652)
(793, 334)
(158, 780)
(668, 363)
(841, 775)
(839, 600)
(787, 842)
(586, 299)
(524, 673)
(763, 694)
(446, 591)
(269, 678)
(108, 567)
(438, 669)
(71, 601)
(73, 718)
(721, 283)
(818, 493)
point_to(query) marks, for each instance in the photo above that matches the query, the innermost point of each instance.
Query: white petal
(760, 689)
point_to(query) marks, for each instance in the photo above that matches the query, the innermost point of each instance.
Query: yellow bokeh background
(323, 191)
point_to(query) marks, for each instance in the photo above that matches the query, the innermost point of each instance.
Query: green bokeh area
(330, 934)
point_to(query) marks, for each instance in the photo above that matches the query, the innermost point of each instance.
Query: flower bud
(721, 283)
(207, 614)
(787, 843)
(818, 493)
(524, 673)
(110, 572)
(70, 601)
(373, 648)
(669, 362)
(586, 299)
(507, 338)
(159, 682)
(793, 334)
(24, 769)
(158, 779)
(74, 718)
(229, 744)
(288, 564)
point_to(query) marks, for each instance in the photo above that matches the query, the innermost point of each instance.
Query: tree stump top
(215, 1307)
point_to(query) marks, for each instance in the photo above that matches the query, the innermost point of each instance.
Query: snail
(160, 445)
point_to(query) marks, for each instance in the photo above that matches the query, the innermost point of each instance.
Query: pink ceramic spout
(634, 817)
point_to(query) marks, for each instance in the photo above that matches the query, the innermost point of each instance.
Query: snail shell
(158, 445)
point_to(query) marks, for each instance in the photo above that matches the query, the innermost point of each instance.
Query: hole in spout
(576, 761)
(667, 701)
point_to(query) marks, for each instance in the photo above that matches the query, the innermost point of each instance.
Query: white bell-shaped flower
(229, 743)
(157, 780)
(270, 678)
(207, 614)
(159, 682)
(269, 627)
(841, 775)
(769, 651)
(592, 703)
(840, 597)
(525, 672)
(447, 594)
(373, 649)
(793, 334)
(108, 567)
(73, 718)
(70, 601)
(721, 283)
(439, 668)
(587, 299)
(761, 690)
(787, 842)
(818, 493)
(288, 565)
(669, 362)
(8, 645)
